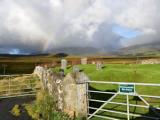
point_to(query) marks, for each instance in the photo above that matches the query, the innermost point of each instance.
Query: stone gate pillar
(74, 87)
(81, 108)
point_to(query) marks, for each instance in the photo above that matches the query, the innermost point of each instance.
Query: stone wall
(150, 61)
(52, 82)
(69, 91)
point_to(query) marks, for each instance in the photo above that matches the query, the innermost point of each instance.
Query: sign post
(127, 89)
(128, 107)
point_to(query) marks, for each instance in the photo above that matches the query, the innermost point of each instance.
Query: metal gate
(14, 86)
(138, 100)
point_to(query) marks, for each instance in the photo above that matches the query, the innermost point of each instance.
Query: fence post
(81, 84)
(87, 98)
(9, 84)
(128, 118)
(74, 94)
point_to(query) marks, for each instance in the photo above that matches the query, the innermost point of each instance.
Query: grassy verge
(44, 107)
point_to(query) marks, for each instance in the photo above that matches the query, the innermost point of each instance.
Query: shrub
(44, 107)
(56, 115)
(16, 111)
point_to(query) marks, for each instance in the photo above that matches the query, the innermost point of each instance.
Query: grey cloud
(42, 26)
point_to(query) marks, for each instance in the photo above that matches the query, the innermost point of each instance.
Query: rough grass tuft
(16, 111)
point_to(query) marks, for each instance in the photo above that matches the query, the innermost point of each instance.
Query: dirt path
(6, 106)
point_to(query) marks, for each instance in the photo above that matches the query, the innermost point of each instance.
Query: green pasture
(149, 73)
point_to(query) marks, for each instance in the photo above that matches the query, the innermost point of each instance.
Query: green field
(149, 73)
(111, 72)
(21, 64)
(123, 73)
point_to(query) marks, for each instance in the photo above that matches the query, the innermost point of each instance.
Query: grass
(16, 110)
(11, 108)
(111, 72)
(44, 107)
(123, 73)
(26, 64)
(18, 84)
(17, 67)
(23, 64)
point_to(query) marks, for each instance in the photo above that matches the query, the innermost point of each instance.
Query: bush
(16, 111)
(56, 115)
(44, 107)
(31, 109)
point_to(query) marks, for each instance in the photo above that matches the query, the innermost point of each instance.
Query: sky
(126, 32)
(45, 25)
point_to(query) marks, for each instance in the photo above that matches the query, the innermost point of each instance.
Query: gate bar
(124, 113)
(103, 105)
(150, 96)
(117, 83)
(118, 103)
(143, 100)
(104, 117)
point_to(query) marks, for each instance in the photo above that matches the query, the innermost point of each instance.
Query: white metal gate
(10, 87)
(95, 112)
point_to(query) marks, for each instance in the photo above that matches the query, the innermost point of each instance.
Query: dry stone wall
(52, 82)
(151, 61)
(69, 91)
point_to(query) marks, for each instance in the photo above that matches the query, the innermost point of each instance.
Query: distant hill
(60, 52)
(136, 50)
(76, 50)
(21, 55)
(141, 50)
